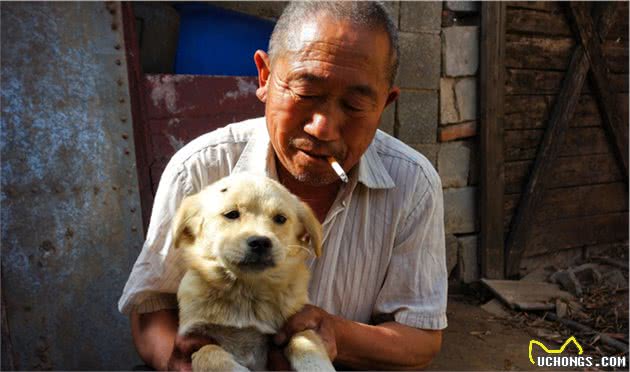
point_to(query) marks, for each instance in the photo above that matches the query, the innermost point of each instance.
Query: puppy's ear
(187, 222)
(312, 226)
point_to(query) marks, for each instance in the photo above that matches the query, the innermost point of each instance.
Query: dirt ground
(475, 340)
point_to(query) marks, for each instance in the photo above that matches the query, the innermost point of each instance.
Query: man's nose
(325, 125)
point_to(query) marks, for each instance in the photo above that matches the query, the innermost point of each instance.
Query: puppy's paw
(215, 358)
(306, 352)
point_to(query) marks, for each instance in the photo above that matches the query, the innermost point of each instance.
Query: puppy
(246, 239)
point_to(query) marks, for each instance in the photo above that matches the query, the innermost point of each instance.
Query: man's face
(325, 96)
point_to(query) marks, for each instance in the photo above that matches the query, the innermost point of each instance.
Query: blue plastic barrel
(215, 41)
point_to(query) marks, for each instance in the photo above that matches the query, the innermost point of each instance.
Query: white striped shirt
(383, 251)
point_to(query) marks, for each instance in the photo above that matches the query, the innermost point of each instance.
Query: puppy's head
(247, 224)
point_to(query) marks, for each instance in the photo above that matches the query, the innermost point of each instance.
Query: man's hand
(386, 346)
(183, 349)
(310, 317)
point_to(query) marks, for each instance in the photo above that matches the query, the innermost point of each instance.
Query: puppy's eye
(279, 219)
(232, 215)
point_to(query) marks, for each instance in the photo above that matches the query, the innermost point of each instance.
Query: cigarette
(337, 168)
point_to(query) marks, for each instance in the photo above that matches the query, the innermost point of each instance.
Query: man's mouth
(316, 149)
(314, 155)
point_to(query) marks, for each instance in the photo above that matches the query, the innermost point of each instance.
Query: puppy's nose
(259, 244)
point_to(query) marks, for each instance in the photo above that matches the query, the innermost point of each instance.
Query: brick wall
(457, 160)
(437, 112)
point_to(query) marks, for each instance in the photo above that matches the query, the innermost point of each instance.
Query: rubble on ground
(596, 309)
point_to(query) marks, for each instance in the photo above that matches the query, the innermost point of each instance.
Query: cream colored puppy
(246, 239)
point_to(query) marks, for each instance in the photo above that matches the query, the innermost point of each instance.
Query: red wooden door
(180, 108)
(170, 110)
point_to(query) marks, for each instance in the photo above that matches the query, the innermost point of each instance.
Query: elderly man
(379, 290)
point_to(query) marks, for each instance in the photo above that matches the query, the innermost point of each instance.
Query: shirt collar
(372, 172)
(258, 157)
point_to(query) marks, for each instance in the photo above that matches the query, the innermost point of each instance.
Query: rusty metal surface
(71, 227)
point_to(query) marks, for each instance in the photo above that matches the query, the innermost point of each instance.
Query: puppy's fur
(246, 239)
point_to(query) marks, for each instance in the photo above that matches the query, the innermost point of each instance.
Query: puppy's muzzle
(258, 256)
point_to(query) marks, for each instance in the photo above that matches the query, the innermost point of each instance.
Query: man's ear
(312, 226)
(393, 95)
(264, 70)
(187, 223)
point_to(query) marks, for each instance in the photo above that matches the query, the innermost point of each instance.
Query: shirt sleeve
(415, 287)
(155, 276)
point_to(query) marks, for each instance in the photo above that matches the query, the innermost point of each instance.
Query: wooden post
(492, 91)
(141, 136)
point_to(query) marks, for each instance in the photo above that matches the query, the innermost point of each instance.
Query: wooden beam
(492, 85)
(591, 42)
(554, 136)
(141, 135)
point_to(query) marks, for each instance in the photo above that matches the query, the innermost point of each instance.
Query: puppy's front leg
(215, 358)
(306, 352)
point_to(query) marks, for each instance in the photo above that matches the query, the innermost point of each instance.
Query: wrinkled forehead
(328, 40)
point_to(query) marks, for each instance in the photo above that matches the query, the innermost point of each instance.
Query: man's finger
(295, 324)
(327, 334)
(308, 318)
(280, 337)
(178, 362)
(191, 343)
(276, 361)
(180, 366)
(302, 321)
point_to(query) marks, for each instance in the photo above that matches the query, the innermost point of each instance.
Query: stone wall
(437, 112)
(457, 160)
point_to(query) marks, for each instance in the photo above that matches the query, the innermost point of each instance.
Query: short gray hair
(369, 14)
